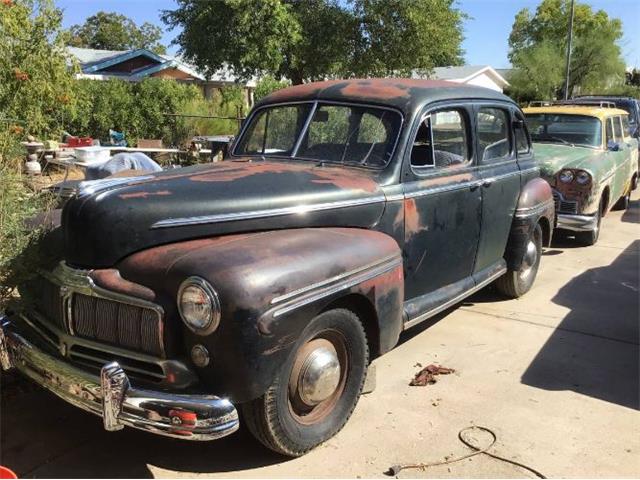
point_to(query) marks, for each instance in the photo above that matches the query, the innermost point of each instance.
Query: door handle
(487, 183)
(474, 187)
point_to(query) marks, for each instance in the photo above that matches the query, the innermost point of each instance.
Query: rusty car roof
(590, 111)
(406, 94)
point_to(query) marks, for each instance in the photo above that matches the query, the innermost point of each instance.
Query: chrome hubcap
(319, 376)
(530, 258)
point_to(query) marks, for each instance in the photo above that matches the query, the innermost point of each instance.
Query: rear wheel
(516, 283)
(623, 202)
(590, 238)
(317, 389)
(634, 182)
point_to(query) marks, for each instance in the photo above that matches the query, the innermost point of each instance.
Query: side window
(626, 128)
(617, 129)
(523, 145)
(493, 134)
(441, 141)
(609, 132)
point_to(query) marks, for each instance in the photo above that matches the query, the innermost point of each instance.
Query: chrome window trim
(303, 132)
(267, 213)
(305, 295)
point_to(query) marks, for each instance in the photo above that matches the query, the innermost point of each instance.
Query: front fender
(535, 206)
(271, 284)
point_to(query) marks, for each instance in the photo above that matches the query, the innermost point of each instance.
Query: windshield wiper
(548, 138)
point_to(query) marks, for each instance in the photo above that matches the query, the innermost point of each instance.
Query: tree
(112, 31)
(36, 84)
(316, 39)
(537, 46)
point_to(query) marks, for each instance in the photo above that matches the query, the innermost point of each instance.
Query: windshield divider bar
(303, 132)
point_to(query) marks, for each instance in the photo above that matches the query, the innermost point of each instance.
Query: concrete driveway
(555, 375)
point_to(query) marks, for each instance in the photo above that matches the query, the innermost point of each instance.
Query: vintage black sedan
(347, 212)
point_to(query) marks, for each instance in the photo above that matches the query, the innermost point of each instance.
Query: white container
(90, 155)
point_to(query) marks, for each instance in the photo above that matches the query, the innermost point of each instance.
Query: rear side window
(442, 140)
(493, 134)
(626, 128)
(617, 129)
(609, 133)
(523, 145)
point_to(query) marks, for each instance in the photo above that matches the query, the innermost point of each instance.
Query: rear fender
(535, 206)
(270, 286)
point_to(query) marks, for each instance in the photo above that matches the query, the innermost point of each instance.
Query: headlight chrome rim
(214, 300)
(568, 174)
(585, 175)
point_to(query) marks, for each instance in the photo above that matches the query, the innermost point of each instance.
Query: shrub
(268, 84)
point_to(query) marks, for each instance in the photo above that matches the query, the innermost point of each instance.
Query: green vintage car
(589, 158)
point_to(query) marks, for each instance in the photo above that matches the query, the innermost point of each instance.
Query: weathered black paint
(435, 222)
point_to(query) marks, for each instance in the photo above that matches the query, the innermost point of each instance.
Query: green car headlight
(566, 176)
(583, 178)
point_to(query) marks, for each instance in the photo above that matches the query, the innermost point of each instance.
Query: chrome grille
(127, 326)
(49, 302)
(564, 206)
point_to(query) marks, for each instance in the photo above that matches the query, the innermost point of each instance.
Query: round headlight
(583, 177)
(566, 176)
(199, 305)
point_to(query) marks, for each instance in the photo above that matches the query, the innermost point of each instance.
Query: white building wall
(484, 80)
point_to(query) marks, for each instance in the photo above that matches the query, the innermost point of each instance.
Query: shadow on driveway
(43, 436)
(595, 349)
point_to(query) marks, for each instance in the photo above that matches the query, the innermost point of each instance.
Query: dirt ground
(555, 375)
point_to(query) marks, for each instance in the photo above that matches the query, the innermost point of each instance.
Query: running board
(458, 298)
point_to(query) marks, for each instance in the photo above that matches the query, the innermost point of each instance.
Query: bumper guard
(111, 396)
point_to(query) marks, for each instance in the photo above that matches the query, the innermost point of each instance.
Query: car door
(443, 204)
(500, 175)
(619, 155)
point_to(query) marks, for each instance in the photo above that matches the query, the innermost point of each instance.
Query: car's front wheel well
(367, 314)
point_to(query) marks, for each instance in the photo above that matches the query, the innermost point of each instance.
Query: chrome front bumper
(577, 223)
(190, 417)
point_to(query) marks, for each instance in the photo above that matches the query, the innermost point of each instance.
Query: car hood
(553, 157)
(118, 217)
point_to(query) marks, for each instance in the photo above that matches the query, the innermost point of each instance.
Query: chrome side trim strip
(337, 278)
(335, 285)
(273, 212)
(420, 318)
(446, 188)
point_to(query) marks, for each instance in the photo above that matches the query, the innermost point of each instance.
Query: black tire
(277, 420)
(634, 182)
(516, 283)
(623, 202)
(591, 238)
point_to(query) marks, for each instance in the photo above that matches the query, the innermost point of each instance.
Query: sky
(486, 31)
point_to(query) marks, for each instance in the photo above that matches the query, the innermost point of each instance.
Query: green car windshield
(335, 133)
(567, 129)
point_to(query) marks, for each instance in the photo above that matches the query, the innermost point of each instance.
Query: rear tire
(634, 182)
(516, 283)
(623, 202)
(300, 410)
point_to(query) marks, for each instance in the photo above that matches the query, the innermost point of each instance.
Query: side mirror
(613, 146)
(517, 123)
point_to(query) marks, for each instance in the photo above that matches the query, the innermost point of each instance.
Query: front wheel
(317, 388)
(516, 283)
(591, 237)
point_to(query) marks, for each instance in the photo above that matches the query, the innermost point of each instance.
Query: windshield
(566, 129)
(351, 134)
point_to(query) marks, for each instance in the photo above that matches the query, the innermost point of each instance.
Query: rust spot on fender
(411, 217)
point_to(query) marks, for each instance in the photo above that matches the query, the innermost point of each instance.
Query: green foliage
(137, 109)
(268, 84)
(113, 31)
(537, 46)
(399, 36)
(35, 81)
(316, 39)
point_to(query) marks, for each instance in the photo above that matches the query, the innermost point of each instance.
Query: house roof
(464, 73)
(93, 63)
